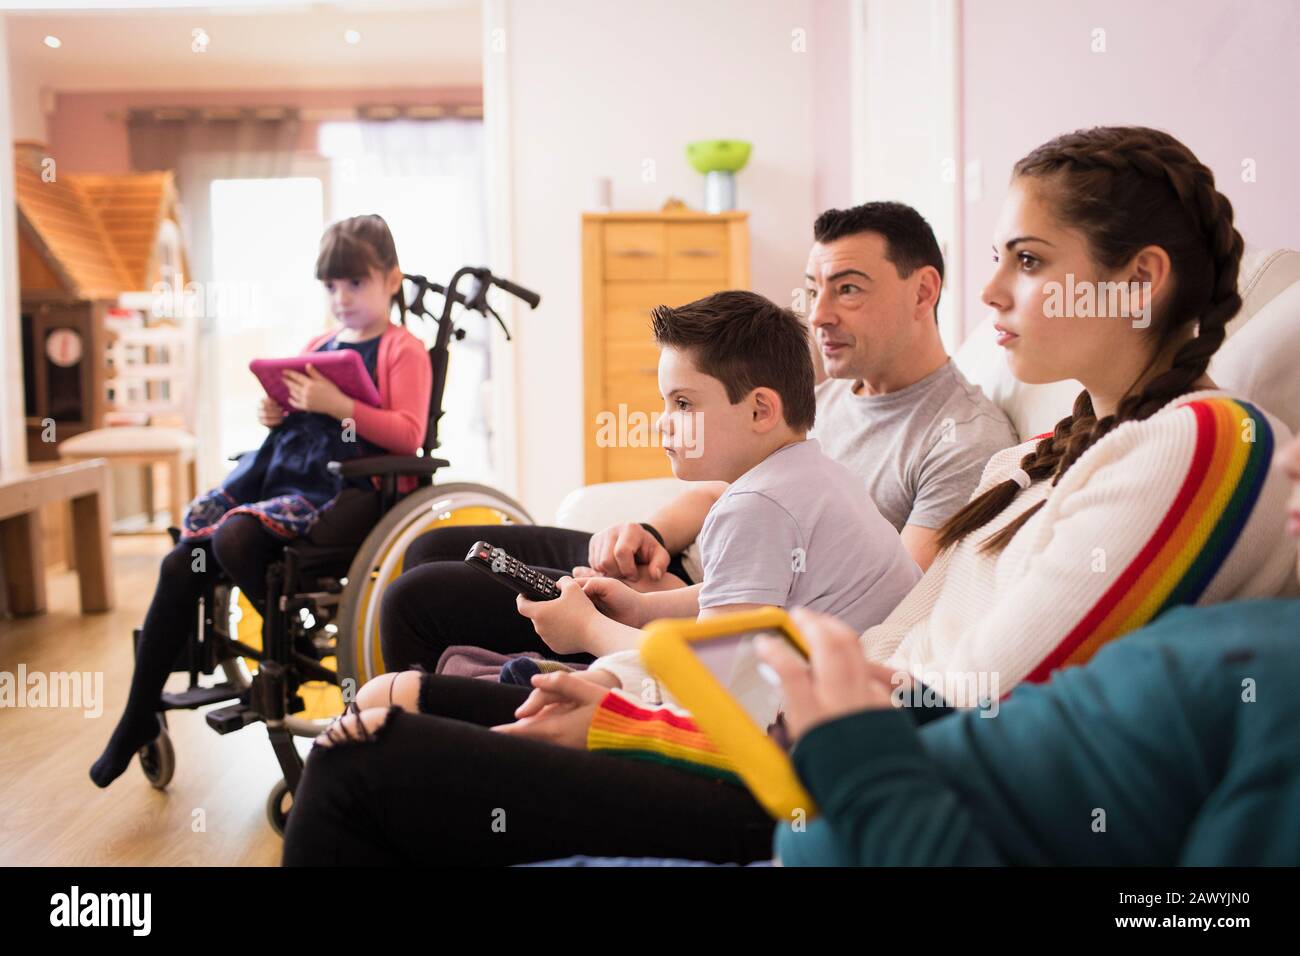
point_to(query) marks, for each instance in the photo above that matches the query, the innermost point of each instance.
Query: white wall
(618, 90)
(24, 99)
(905, 107)
(1220, 76)
(13, 431)
(832, 51)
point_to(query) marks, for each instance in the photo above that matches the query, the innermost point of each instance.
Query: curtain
(257, 145)
(200, 148)
(451, 150)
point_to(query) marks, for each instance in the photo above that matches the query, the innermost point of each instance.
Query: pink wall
(83, 139)
(828, 43)
(1223, 77)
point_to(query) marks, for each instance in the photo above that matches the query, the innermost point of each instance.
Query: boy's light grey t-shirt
(795, 530)
(920, 451)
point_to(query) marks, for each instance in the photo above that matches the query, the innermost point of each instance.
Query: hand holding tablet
(711, 666)
(345, 368)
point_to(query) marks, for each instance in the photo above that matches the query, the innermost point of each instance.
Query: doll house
(85, 241)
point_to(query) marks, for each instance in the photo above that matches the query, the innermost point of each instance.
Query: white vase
(719, 191)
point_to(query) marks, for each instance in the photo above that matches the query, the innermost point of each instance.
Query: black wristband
(654, 533)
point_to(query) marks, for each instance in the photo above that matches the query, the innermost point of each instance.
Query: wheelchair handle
(518, 291)
(475, 301)
(423, 285)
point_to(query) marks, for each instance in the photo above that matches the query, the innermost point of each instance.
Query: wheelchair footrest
(198, 697)
(234, 717)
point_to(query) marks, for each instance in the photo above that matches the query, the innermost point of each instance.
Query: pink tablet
(345, 368)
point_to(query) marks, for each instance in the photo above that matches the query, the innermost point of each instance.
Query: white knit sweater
(1143, 520)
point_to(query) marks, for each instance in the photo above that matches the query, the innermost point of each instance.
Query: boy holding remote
(793, 527)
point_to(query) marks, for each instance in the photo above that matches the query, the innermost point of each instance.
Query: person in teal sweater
(1176, 745)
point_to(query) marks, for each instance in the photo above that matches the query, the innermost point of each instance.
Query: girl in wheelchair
(283, 490)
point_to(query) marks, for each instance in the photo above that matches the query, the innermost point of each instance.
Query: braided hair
(1125, 188)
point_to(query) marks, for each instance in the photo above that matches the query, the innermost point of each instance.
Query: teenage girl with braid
(1155, 492)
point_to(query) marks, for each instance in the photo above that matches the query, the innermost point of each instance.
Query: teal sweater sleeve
(882, 799)
(1170, 747)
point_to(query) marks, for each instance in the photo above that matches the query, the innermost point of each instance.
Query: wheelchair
(318, 643)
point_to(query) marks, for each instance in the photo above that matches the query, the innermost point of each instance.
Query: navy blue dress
(284, 484)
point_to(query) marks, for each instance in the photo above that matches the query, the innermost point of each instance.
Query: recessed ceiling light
(53, 42)
(352, 36)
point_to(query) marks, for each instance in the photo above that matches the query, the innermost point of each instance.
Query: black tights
(244, 550)
(439, 788)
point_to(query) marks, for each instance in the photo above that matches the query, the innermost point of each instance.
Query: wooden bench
(143, 445)
(86, 485)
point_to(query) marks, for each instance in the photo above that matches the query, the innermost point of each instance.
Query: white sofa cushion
(1261, 359)
(596, 507)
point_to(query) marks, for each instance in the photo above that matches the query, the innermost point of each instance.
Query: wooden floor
(50, 812)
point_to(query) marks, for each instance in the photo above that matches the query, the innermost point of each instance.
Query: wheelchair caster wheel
(158, 760)
(278, 804)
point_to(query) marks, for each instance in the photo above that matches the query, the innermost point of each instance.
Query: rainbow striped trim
(1193, 539)
(623, 729)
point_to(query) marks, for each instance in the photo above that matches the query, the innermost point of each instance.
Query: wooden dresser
(632, 262)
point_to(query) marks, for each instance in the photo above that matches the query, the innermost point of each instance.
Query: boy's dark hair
(909, 240)
(746, 342)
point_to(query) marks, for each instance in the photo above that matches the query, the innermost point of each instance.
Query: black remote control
(512, 572)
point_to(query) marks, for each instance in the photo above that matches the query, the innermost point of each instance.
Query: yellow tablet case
(763, 766)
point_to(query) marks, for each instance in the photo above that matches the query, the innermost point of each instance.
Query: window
(264, 301)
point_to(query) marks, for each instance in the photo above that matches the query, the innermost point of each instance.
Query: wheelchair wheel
(278, 804)
(158, 760)
(379, 562)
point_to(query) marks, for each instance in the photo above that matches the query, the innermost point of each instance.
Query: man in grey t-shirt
(919, 450)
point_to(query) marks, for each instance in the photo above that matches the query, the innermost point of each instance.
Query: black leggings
(242, 548)
(439, 788)
(439, 601)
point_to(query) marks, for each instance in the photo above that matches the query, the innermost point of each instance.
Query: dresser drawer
(635, 250)
(697, 250)
(624, 358)
(630, 464)
(640, 392)
(628, 305)
(632, 380)
(624, 428)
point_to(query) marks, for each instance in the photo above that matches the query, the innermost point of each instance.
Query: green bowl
(718, 155)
